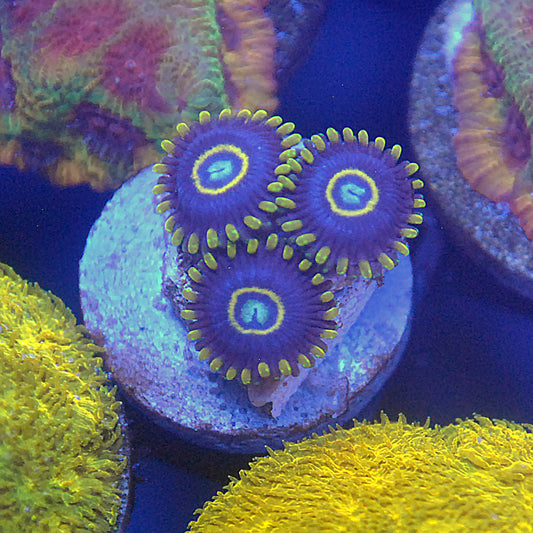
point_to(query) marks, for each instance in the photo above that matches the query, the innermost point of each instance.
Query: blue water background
(471, 347)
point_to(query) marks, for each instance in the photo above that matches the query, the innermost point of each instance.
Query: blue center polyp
(352, 194)
(219, 170)
(254, 313)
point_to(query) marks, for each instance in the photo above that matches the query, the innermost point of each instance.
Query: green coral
(59, 431)
(508, 32)
(475, 475)
(69, 56)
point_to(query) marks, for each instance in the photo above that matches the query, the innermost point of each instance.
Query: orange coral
(480, 140)
(11, 154)
(493, 143)
(508, 32)
(249, 45)
(522, 207)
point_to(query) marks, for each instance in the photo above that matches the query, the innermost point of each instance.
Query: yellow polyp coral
(60, 437)
(475, 475)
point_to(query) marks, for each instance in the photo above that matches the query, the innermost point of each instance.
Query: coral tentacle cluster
(267, 226)
(87, 86)
(474, 475)
(257, 315)
(355, 204)
(60, 437)
(217, 180)
(493, 76)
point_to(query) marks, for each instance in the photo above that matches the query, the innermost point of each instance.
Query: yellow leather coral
(475, 475)
(60, 467)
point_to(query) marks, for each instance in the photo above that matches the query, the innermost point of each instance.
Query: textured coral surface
(475, 475)
(87, 86)
(493, 77)
(346, 196)
(59, 431)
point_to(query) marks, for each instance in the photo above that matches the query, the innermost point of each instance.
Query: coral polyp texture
(216, 182)
(88, 86)
(474, 475)
(258, 316)
(134, 290)
(339, 207)
(248, 53)
(60, 436)
(355, 205)
(493, 80)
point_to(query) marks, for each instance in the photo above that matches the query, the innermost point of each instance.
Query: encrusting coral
(60, 437)
(474, 475)
(86, 86)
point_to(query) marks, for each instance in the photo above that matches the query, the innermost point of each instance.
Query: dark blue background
(471, 347)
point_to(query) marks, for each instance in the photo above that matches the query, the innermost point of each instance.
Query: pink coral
(131, 65)
(24, 12)
(76, 29)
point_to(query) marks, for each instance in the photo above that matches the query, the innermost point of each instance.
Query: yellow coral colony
(60, 467)
(475, 475)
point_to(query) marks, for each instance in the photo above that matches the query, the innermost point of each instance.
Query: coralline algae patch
(473, 141)
(61, 441)
(124, 303)
(474, 475)
(87, 86)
